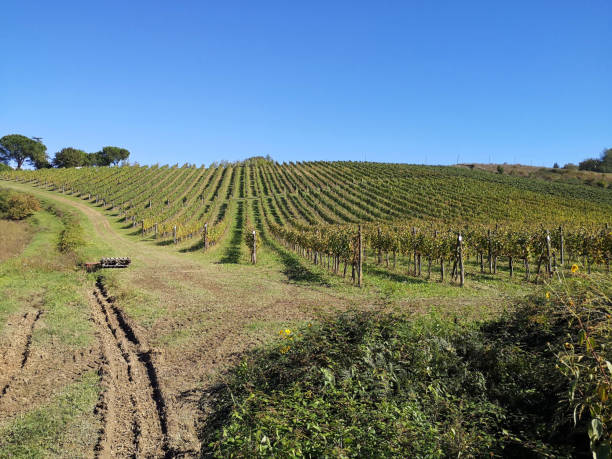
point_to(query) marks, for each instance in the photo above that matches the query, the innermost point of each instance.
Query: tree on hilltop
(111, 156)
(21, 149)
(70, 157)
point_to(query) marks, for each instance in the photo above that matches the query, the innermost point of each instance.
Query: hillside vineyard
(403, 217)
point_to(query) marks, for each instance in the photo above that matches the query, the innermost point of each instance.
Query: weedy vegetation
(532, 383)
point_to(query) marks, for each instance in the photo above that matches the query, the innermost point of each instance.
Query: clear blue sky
(416, 82)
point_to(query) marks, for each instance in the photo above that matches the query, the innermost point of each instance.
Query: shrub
(17, 206)
(500, 169)
(380, 385)
(590, 165)
(71, 237)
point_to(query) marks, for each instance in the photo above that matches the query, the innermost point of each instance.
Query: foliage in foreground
(17, 206)
(370, 385)
(71, 237)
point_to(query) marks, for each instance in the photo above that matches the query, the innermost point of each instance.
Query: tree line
(603, 164)
(21, 150)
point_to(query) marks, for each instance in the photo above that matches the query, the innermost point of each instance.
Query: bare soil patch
(132, 406)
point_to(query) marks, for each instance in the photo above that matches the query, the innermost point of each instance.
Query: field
(122, 361)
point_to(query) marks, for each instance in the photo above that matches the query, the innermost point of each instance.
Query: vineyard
(241, 297)
(440, 223)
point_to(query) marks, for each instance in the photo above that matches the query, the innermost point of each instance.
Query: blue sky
(418, 82)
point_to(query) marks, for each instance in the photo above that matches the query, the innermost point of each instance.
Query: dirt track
(132, 405)
(15, 355)
(152, 386)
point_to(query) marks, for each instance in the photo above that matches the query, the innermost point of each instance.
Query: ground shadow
(232, 251)
(393, 276)
(294, 269)
(199, 245)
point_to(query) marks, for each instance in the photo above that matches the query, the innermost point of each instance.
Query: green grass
(43, 278)
(385, 385)
(66, 423)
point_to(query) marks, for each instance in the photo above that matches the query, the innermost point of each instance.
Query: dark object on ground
(122, 262)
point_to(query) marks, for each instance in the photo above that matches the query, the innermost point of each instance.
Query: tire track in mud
(132, 406)
(16, 355)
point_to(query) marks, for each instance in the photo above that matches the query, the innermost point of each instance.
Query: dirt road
(172, 322)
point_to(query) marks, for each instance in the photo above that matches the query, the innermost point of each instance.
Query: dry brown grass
(547, 173)
(14, 236)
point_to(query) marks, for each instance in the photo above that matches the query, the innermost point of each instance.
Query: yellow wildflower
(574, 268)
(287, 332)
(548, 295)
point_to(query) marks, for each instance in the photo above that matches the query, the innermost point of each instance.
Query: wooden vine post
(490, 255)
(460, 255)
(415, 250)
(174, 233)
(379, 248)
(142, 225)
(562, 246)
(360, 258)
(205, 236)
(254, 249)
(548, 254)
(607, 256)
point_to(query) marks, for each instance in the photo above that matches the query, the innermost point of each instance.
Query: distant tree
(94, 159)
(70, 157)
(606, 160)
(500, 169)
(603, 164)
(42, 162)
(112, 156)
(570, 167)
(556, 166)
(21, 149)
(591, 164)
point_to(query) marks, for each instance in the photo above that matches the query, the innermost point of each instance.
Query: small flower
(574, 268)
(548, 295)
(310, 325)
(287, 332)
(285, 349)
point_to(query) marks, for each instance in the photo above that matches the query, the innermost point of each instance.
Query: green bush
(71, 237)
(380, 385)
(17, 206)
